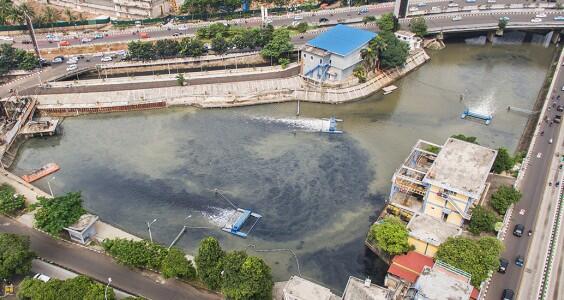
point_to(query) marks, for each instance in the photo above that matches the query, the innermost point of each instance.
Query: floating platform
(40, 127)
(482, 117)
(42, 172)
(330, 125)
(238, 219)
(389, 89)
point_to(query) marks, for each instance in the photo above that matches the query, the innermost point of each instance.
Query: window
(329, 61)
(312, 57)
(305, 55)
(320, 61)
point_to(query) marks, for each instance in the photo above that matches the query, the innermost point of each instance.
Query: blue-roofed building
(333, 55)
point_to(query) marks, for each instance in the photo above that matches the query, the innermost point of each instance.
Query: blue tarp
(342, 39)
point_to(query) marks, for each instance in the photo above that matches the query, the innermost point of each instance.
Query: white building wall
(341, 66)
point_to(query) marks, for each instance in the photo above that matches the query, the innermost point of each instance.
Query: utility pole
(149, 227)
(32, 34)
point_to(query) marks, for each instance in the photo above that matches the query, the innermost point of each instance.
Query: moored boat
(42, 172)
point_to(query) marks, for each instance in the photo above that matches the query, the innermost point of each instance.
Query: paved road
(533, 186)
(100, 267)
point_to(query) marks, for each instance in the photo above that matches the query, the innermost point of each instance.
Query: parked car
(557, 119)
(64, 43)
(536, 20)
(507, 294)
(106, 59)
(457, 18)
(519, 261)
(72, 67)
(518, 230)
(452, 5)
(560, 108)
(503, 264)
(42, 277)
(323, 20)
(58, 59)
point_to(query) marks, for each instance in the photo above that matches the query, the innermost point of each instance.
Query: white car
(457, 18)
(72, 61)
(413, 8)
(491, 1)
(42, 277)
(183, 27)
(298, 17)
(86, 40)
(6, 38)
(122, 52)
(536, 20)
(72, 67)
(98, 55)
(452, 5)
(106, 59)
(541, 15)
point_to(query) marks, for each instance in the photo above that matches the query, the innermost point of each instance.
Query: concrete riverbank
(210, 92)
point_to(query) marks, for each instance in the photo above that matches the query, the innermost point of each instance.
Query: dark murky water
(317, 193)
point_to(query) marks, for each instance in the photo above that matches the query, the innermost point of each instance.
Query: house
(298, 288)
(358, 289)
(426, 233)
(410, 38)
(444, 182)
(333, 55)
(441, 282)
(83, 230)
(407, 267)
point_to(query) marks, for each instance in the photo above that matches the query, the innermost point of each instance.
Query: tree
(478, 258)
(302, 27)
(246, 277)
(503, 161)
(141, 50)
(368, 19)
(418, 26)
(219, 44)
(80, 287)
(469, 139)
(209, 262)
(483, 220)
(360, 73)
(55, 214)
(502, 23)
(140, 254)
(504, 197)
(433, 149)
(396, 52)
(284, 62)
(7, 12)
(50, 14)
(176, 265)
(180, 79)
(10, 202)
(388, 22)
(279, 45)
(390, 235)
(22, 10)
(369, 58)
(70, 16)
(167, 48)
(191, 47)
(15, 256)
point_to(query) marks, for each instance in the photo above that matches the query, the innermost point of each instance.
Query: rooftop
(302, 289)
(433, 231)
(405, 33)
(358, 289)
(461, 167)
(342, 39)
(443, 282)
(408, 266)
(83, 222)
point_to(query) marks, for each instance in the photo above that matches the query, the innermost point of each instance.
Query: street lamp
(149, 227)
(49, 185)
(106, 289)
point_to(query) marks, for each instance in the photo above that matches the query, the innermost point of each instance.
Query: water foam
(305, 124)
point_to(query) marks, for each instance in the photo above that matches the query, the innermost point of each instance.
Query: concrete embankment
(225, 90)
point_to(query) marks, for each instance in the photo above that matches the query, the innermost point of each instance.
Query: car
(457, 18)
(503, 264)
(470, 1)
(323, 20)
(137, 23)
(143, 35)
(557, 119)
(559, 18)
(26, 42)
(72, 67)
(44, 63)
(42, 277)
(541, 15)
(560, 108)
(507, 294)
(58, 59)
(72, 60)
(363, 10)
(6, 38)
(86, 40)
(504, 18)
(64, 43)
(536, 20)
(106, 59)
(99, 54)
(98, 36)
(414, 9)
(182, 27)
(452, 5)
(491, 1)
(563, 88)
(519, 261)
(298, 18)
(518, 230)
(122, 52)
(177, 34)
(421, 4)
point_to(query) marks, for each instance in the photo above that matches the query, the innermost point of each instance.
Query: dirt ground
(52, 52)
(38, 8)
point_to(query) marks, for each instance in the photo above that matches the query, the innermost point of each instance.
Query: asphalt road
(534, 183)
(100, 267)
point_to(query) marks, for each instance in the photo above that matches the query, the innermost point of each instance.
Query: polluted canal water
(317, 193)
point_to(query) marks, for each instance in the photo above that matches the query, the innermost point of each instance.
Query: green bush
(504, 197)
(469, 139)
(483, 220)
(302, 27)
(176, 265)
(209, 262)
(284, 62)
(15, 256)
(503, 161)
(10, 203)
(246, 277)
(80, 287)
(55, 214)
(388, 23)
(390, 235)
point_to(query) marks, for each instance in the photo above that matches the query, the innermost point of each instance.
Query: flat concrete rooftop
(433, 231)
(461, 167)
(356, 290)
(442, 282)
(302, 289)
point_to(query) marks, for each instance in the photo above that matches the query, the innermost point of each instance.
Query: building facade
(125, 9)
(333, 55)
(410, 38)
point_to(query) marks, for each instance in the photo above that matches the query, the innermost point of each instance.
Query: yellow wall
(422, 247)
(434, 206)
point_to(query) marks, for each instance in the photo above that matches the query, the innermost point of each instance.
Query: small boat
(389, 89)
(42, 172)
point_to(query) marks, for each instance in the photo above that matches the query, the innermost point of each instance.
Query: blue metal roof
(342, 39)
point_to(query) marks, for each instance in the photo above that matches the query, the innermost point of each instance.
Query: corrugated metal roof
(342, 39)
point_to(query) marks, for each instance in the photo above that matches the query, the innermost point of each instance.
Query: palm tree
(50, 14)
(70, 16)
(7, 11)
(378, 45)
(22, 10)
(369, 58)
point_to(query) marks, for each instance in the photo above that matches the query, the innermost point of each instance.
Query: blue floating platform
(483, 117)
(237, 221)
